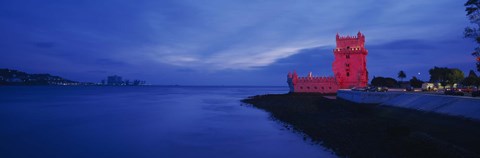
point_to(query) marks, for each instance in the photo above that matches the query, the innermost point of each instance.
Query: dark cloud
(404, 44)
(45, 45)
(110, 62)
(187, 70)
(317, 60)
(97, 71)
(226, 42)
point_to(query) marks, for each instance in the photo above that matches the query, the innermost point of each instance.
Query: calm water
(143, 122)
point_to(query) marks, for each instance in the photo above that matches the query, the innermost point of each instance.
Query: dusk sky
(227, 42)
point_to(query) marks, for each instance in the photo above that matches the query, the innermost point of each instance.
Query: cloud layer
(146, 37)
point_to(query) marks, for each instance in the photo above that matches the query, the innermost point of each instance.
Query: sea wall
(452, 105)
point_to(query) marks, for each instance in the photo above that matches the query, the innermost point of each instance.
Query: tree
(438, 75)
(401, 75)
(471, 80)
(455, 76)
(383, 82)
(445, 76)
(415, 82)
(473, 32)
(472, 74)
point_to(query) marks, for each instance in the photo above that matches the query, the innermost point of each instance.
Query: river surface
(147, 121)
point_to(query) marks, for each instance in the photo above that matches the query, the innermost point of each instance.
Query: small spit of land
(371, 130)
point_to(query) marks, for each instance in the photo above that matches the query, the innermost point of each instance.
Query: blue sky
(227, 42)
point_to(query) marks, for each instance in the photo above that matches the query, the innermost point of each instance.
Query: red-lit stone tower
(350, 67)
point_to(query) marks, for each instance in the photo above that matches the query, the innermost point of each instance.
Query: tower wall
(311, 84)
(325, 85)
(350, 67)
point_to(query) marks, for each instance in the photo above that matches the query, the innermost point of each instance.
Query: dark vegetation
(15, 77)
(472, 7)
(392, 83)
(443, 75)
(471, 80)
(446, 76)
(384, 82)
(370, 130)
(416, 83)
(401, 75)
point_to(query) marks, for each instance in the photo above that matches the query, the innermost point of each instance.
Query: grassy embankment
(370, 130)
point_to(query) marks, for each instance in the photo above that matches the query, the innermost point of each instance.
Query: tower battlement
(316, 79)
(354, 50)
(348, 42)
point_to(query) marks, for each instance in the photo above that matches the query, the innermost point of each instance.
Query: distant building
(349, 68)
(118, 81)
(138, 82)
(15, 79)
(114, 80)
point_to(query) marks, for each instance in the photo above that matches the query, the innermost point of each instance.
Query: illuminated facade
(349, 68)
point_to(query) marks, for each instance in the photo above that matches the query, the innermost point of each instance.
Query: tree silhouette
(471, 80)
(455, 76)
(445, 75)
(383, 82)
(473, 32)
(415, 82)
(401, 75)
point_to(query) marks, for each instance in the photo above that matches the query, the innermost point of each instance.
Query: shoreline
(372, 130)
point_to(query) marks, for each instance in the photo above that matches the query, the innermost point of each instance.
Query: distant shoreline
(370, 130)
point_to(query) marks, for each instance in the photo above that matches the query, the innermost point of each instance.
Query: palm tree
(401, 75)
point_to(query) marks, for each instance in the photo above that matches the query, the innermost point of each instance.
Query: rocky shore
(370, 130)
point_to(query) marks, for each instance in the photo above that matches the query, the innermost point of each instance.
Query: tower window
(348, 74)
(348, 56)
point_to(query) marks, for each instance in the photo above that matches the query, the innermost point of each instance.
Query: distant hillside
(15, 77)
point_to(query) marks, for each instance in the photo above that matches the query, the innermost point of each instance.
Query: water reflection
(142, 122)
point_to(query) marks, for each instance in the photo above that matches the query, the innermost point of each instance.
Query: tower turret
(349, 66)
(292, 79)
